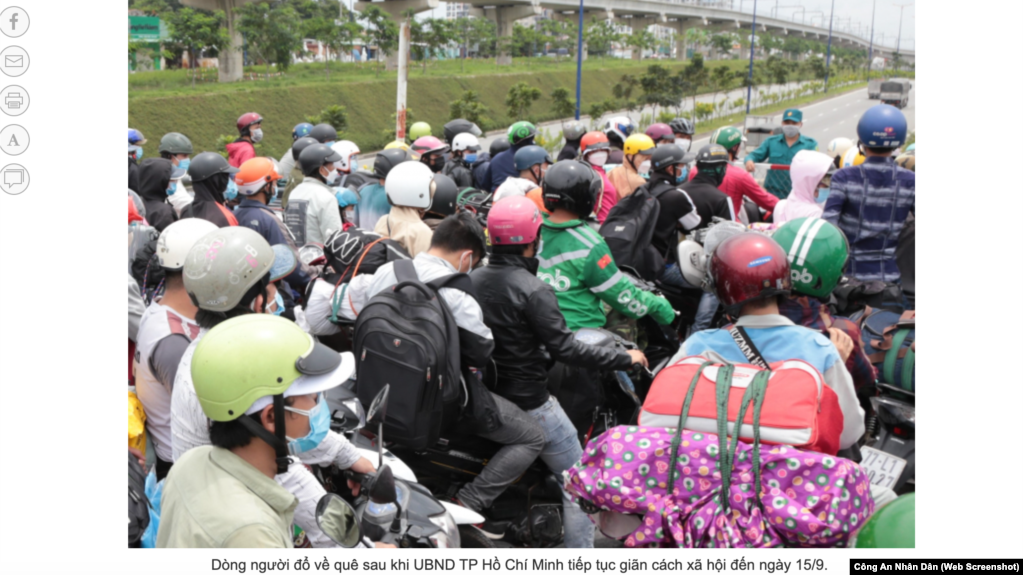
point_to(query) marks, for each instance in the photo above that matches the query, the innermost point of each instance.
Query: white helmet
(838, 147)
(179, 237)
(622, 126)
(465, 141)
(349, 155)
(692, 262)
(410, 184)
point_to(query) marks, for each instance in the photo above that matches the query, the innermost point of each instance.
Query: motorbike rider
(576, 262)
(502, 166)
(289, 160)
(573, 133)
(661, 134)
(254, 420)
(166, 328)
(870, 202)
(250, 132)
(635, 165)
(738, 183)
(618, 130)
(751, 274)
(409, 188)
(822, 252)
(257, 183)
(465, 149)
(135, 141)
(177, 148)
(373, 203)
(312, 212)
(431, 152)
(445, 200)
(837, 149)
(532, 163)
(348, 165)
(594, 149)
(529, 330)
(243, 255)
(324, 133)
(458, 246)
(294, 177)
(811, 182)
(683, 129)
(780, 149)
(158, 180)
(479, 169)
(213, 184)
(418, 130)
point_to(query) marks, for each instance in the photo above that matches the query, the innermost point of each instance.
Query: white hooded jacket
(806, 171)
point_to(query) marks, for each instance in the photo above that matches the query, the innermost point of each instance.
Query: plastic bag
(154, 491)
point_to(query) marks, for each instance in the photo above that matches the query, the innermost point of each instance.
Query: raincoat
(806, 171)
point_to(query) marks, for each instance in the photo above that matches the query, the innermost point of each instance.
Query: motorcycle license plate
(884, 469)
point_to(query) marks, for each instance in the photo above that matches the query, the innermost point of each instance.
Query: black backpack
(407, 337)
(628, 231)
(138, 504)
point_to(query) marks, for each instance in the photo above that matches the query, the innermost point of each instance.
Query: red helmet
(514, 220)
(595, 140)
(247, 120)
(748, 267)
(427, 144)
(658, 132)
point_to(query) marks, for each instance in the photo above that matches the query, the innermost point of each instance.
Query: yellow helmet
(638, 144)
(398, 144)
(907, 160)
(853, 157)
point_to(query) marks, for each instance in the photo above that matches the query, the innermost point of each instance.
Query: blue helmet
(882, 126)
(135, 137)
(346, 197)
(529, 156)
(301, 130)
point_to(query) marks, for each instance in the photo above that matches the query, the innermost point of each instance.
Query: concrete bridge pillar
(229, 62)
(643, 23)
(573, 18)
(505, 17)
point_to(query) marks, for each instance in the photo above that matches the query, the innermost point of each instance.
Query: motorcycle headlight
(447, 537)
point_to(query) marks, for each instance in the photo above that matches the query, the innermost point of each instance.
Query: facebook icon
(14, 21)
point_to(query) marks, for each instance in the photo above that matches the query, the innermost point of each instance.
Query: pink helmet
(513, 221)
(427, 144)
(658, 132)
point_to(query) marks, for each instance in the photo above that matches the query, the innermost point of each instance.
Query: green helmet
(520, 131)
(817, 251)
(728, 137)
(175, 143)
(258, 355)
(892, 526)
(223, 265)
(418, 130)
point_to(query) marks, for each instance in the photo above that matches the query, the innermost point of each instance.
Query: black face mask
(719, 174)
(436, 163)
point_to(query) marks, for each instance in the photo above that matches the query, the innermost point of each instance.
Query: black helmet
(387, 159)
(445, 196)
(711, 156)
(175, 143)
(314, 156)
(458, 126)
(208, 164)
(499, 145)
(666, 155)
(323, 133)
(299, 145)
(682, 126)
(571, 185)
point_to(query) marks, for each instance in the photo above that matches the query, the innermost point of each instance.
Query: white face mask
(790, 131)
(331, 175)
(644, 168)
(350, 215)
(257, 134)
(597, 158)
(468, 267)
(684, 144)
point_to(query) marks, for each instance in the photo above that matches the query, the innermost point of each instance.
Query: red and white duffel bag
(799, 408)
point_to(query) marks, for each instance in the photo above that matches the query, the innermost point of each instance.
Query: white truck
(874, 89)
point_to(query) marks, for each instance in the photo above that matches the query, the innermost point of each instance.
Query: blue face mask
(280, 304)
(470, 158)
(232, 190)
(822, 195)
(183, 164)
(319, 425)
(172, 188)
(681, 178)
(138, 154)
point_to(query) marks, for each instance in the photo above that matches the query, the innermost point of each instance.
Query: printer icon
(13, 100)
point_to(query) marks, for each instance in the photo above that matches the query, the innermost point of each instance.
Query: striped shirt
(870, 204)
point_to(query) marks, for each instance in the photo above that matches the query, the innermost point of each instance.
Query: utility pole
(579, 63)
(827, 63)
(752, 44)
(870, 51)
(899, 40)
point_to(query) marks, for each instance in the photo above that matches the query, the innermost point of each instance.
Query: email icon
(14, 61)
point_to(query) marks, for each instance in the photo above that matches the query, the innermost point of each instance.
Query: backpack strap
(754, 395)
(458, 281)
(893, 354)
(335, 303)
(405, 271)
(340, 278)
(677, 439)
(908, 364)
(747, 348)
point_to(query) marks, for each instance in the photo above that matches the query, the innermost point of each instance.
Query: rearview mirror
(379, 405)
(337, 520)
(383, 490)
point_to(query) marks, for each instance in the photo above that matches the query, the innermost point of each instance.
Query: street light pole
(579, 62)
(752, 43)
(827, 64)
(870, 52)
(899, 40)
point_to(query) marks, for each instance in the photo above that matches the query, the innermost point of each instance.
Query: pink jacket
(608, 198)
(240, 151)
(806, 171)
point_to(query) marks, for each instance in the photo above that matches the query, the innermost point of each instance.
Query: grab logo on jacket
(557, 281)
(635, 306)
